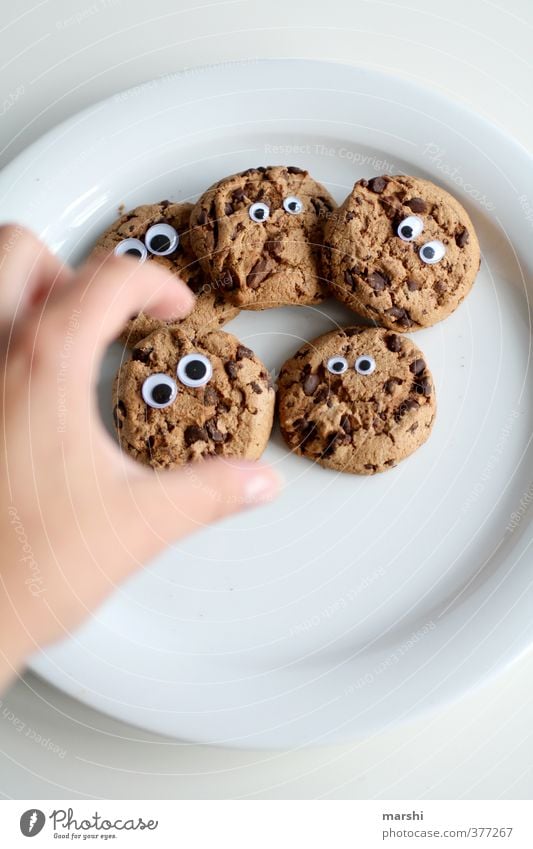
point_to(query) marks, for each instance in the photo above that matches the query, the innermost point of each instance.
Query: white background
(57, 56)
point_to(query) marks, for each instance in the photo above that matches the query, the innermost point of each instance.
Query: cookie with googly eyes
(400, 251)
(182, 398)
(258, 235)
(160, 232)
(357, 400)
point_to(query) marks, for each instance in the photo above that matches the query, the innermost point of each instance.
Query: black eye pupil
(407, 232)
(364, 365)
(293, 206)
(260, 213)
(338, 366)
(429, 253)
(161, 393)
(160, 243)
(196, 370)
(133, 252)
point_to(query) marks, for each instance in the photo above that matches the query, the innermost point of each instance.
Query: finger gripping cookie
(258, 235)
(400, 251)
(356, 400)
(160, 232)
(184, 398)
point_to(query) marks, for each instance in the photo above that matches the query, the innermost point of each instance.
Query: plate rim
(14, 167)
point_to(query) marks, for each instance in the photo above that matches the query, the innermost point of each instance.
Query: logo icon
(32, 822)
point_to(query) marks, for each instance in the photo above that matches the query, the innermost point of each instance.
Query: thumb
(171, 505)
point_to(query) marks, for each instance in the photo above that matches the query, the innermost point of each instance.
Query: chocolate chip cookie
(356, 400)
(400, 251)
(258, 234)
(181, 398)
(160, 232)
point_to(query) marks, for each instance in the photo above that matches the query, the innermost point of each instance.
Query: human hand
(76, 515)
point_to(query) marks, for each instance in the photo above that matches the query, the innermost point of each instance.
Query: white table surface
(57, 56)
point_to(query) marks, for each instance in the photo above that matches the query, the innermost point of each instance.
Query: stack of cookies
(400, 252)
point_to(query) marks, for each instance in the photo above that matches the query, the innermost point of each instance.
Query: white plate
(351, 603)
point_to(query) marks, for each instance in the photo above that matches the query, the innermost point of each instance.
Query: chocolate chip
(417, 366)
(258, 274)
(196, 282)
(228, 209)
(203, 217)
(292, 169)
(193, 434)
(462, 238)
(371, 467)
(394, 343)
(413, 427)
(213, 431)
(389, 385)
(405, 406)
(310, 384)
(353, 331)
(244, 353)
(141, 355)
(307, 432)
(349, 279)
(321, 395)
(422, 386)
(238, 196)
(231, 370)
(416, 205)
(440, 287)
(377, 281)
(346, 424)
(377, 184)
(412, 285)
(400, 315)
(256, 387)
(331, 443)
(119, 413)
(349, 215)
(226, 281)
(211, 396)
(392, 210)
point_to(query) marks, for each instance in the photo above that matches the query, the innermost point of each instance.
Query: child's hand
(76, 515)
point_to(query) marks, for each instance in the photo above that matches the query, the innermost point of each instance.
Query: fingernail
(261, 485)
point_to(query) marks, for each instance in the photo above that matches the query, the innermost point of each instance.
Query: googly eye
(410, 228)
(159, 391)
(133, 248)
(365, 364)
(432, 252)
(161, 239)
(194, 370)
(337, 365)
(259, 212)
(292, 205)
